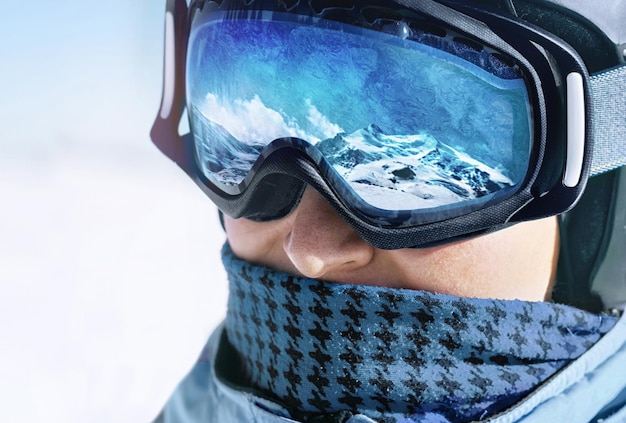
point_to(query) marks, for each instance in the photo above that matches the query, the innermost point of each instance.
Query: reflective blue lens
(407, 120)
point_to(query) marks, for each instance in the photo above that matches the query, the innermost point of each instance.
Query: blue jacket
(590, 389)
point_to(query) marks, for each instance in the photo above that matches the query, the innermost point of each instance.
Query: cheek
(464, 269)
(515, 263)
(247, 239)
(256, 242)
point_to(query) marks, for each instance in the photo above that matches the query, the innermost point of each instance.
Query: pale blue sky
(74, 67)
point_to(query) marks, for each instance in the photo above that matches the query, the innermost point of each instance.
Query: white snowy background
(110, 278)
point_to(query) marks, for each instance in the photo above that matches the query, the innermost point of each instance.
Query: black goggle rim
(546, 60)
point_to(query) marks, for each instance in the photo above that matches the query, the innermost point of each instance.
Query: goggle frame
(559, 164)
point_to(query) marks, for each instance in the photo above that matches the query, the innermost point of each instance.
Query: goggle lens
(408, 120)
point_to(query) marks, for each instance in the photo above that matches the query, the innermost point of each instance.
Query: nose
(320, 243)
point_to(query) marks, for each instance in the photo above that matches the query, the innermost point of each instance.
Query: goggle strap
(608, 119)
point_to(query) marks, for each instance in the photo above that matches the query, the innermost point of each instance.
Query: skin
(313, 241)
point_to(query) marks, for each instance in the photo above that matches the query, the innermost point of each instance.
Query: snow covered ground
(110, 277)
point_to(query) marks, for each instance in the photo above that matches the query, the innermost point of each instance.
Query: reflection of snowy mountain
(388, 171)
(417, 170)
(222, 155)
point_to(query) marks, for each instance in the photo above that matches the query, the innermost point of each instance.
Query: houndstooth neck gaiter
(393, 354)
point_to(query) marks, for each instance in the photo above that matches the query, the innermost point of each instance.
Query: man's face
(313, 241)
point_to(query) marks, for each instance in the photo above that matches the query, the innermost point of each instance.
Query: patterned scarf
(393, 354)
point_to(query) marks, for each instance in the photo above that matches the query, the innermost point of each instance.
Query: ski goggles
(420, 122)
